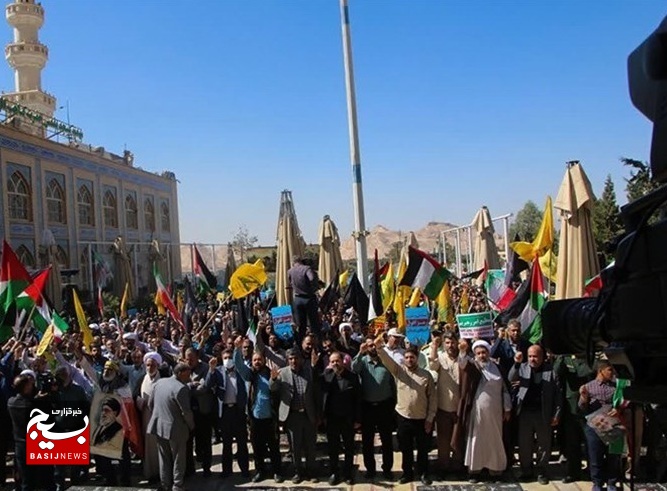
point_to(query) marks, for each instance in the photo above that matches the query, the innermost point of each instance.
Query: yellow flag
(46, 341)
(180, 301)
(247, 278)
(464, 304)
(83, 322)
(543, 240)
(343, 279)
(415, 298)
(161, 309)
(388, 288)
(548, 265)
(444, 301)
(402, 294)
(125, 300)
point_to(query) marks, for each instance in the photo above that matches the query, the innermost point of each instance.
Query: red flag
(100, 301)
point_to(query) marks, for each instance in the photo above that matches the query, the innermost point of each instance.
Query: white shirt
(396, 354)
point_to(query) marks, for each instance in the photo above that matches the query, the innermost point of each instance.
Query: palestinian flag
(375, 307)
(530, 318)
(162, 296)
(13, 278)
(32, 301)
(202, 271)
(425, 273)
(356, 297)
(596, 283)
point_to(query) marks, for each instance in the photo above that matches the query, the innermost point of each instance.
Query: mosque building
(58, 190)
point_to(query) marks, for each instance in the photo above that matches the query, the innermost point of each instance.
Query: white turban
(152, 355)
(29, 372)
(130, 336)
(481, 344)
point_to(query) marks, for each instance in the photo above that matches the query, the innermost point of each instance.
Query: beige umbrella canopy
(48, 256)
(123, 269)
(230, 265)
(157, 260)
(290, 244)
(331, 263)
(485, 244)
(577, 256)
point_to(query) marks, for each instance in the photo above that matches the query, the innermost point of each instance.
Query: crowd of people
(481, 403)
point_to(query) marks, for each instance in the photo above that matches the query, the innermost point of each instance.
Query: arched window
(149, 215)
(110, 209)
(131, 219)
(19, 196)
(84, 199)
(164, 217)
(26, 257)
(55, 202)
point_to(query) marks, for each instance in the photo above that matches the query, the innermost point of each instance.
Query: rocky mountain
(428, 237)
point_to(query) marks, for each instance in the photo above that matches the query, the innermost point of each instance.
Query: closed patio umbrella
(485, 245)
(123, 269)
(49, 257)
(331, 263)
(290, 244)
(577, 255)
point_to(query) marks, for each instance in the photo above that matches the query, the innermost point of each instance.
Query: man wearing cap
(416, 405)
(299, 410)
(303, 282)
(171, 422)
(393, 347)
(378, 394)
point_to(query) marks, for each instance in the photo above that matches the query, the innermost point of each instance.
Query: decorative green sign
(479, 325)
(38, 118)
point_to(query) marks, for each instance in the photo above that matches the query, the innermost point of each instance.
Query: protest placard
(417, 328)
(282, 321)
(478, 325)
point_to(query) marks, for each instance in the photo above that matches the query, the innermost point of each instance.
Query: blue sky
(460, 103)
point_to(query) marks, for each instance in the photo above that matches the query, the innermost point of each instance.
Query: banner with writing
(282, 321)
(478, 325)
(417, 328)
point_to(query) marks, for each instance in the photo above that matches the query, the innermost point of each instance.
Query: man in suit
(171, 422)
(230, 389)
(203, 404)
(504, 348)
(299, 410)
(342, 409)
(538, 405)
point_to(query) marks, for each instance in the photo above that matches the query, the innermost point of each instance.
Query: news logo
(59, 438)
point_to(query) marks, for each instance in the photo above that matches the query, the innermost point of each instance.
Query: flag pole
(360, 231)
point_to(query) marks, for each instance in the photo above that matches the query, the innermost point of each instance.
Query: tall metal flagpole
(357, 189)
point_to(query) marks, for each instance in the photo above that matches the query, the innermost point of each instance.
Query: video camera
(628, 320)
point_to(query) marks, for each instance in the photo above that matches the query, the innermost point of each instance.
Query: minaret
(27, 56)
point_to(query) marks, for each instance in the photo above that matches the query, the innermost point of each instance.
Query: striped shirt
(599, 394)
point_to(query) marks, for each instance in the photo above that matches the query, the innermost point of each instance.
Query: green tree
(243, 241)
(527, 222)
(606, 219)
(641, 181)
